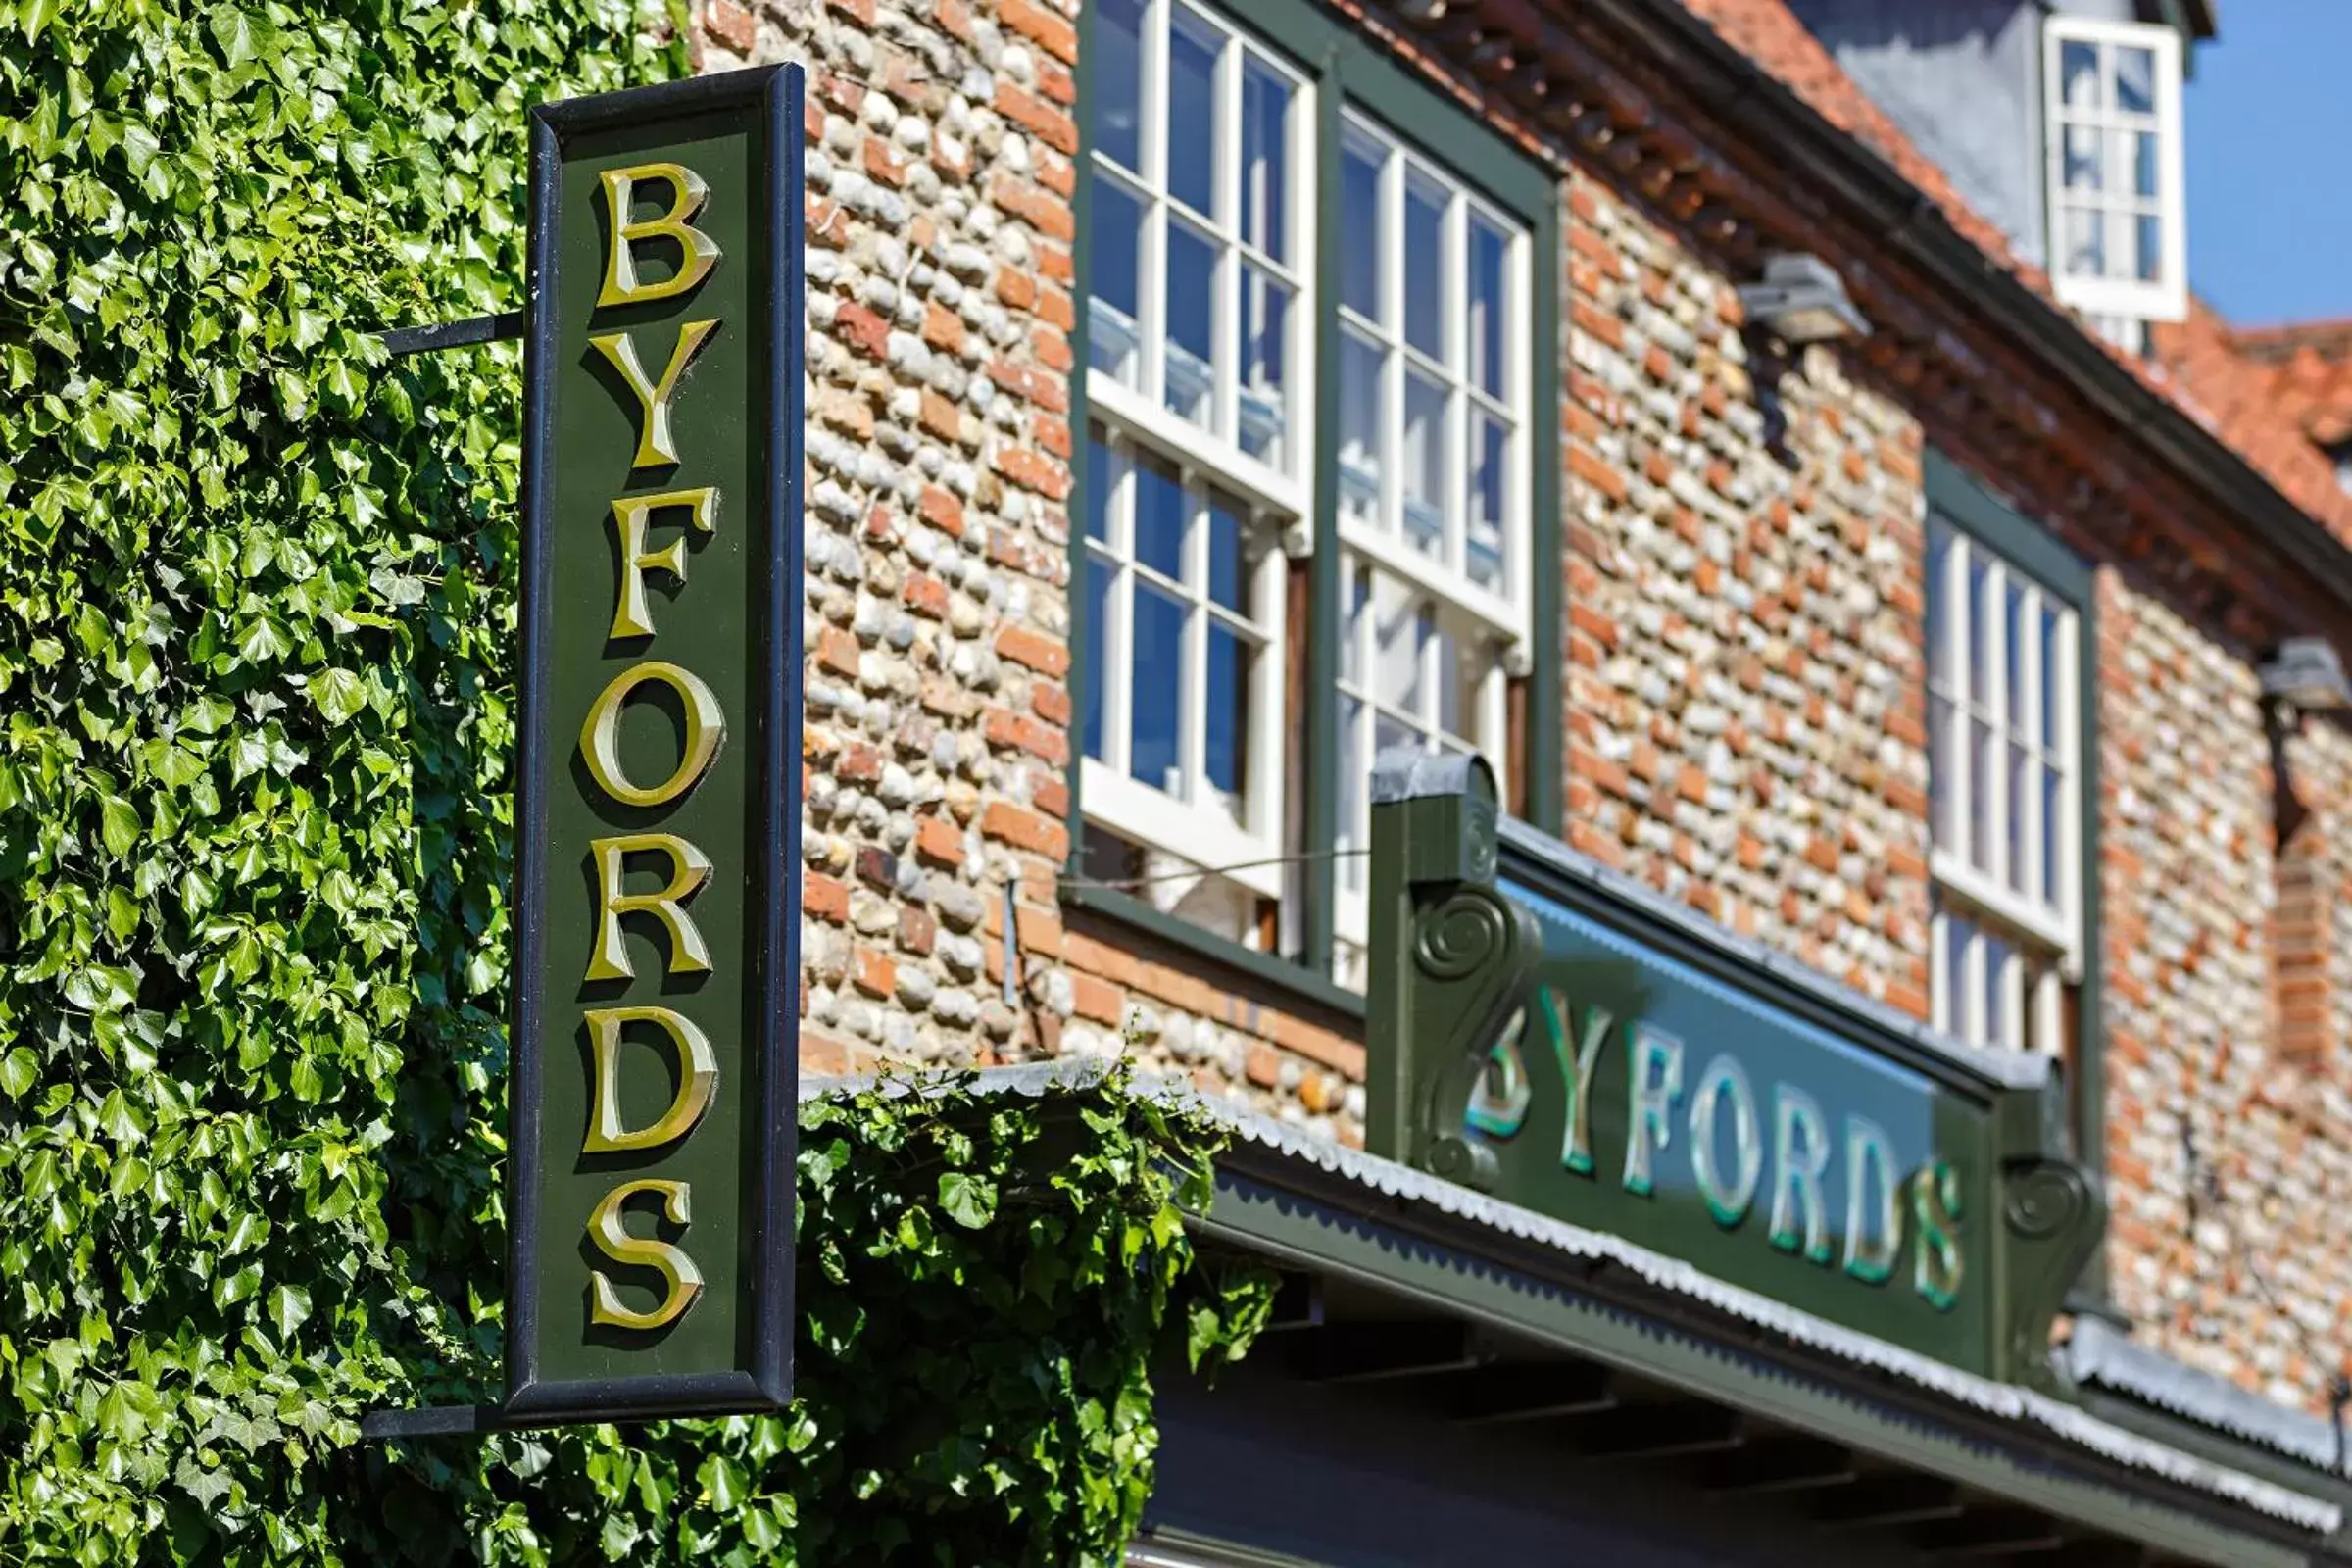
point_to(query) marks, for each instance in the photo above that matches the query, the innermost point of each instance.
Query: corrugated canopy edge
(1394, 1181)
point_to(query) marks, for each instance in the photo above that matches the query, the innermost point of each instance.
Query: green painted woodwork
(1585, 1055)
(708, 624)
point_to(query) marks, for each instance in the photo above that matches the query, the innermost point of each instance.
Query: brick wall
(1745, 707)
(2229, 1159)
(938, 752)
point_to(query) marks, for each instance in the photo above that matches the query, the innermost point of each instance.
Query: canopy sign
(649, 1186)
(1587, 1051)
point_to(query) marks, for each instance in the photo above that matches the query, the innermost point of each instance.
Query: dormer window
(2118, 221)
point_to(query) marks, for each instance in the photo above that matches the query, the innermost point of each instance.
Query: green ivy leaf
(969, 1200)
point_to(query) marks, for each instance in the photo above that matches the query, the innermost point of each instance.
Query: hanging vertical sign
(648, 1185)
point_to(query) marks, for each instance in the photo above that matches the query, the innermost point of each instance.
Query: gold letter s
(697, 252)
(677, 1269)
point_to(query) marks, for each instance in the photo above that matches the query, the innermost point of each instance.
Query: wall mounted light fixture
(1803, 300)
(2306, 676)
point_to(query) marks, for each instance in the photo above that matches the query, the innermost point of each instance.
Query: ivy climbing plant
(257, 616)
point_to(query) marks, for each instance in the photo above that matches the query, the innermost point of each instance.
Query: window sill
(1265, 967)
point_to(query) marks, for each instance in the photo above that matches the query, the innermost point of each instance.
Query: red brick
(942, 511)
(1263, 1066)
(937, 841)
(1025, 829)
(860, 763)
(955, 20)
(883, 162)
(940, 416)
(925, 594)
(1054, 307)
(1016, 289)
(917, 930)
(1045, 655)
(1097, 1000)
(1589, 467)
(1049, 31)
(837, 650)
(1033, 472)
(862, 329)
(731, 24)
(1593, 324)
(877, 973)
(824, 898)
(1009, 730)
(1051, 702)
(942, 328)
(1041, 210)
(1039, 931)
(1046, 391)
(1051, 796)
(1048, 123)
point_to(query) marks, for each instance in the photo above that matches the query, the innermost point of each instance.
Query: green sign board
(1585, 1050)
(658, 804)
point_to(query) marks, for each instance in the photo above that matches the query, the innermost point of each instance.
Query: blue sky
(2270, 161)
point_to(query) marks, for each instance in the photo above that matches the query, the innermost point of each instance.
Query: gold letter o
(600, 737)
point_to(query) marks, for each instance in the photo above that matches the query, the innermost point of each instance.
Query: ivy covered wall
(255, 631)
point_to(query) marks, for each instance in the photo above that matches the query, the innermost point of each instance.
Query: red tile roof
(2216, 376)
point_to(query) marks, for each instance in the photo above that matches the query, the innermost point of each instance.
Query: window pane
(1454, 681)
(2147, 250)
(1940, 560)
(1397, 629)
(1117, 63)
(1360, 429)
(1228, 748)
(1996, 992)
(1191, 296)
(1980, 605)
(2135, 80)
(1265, 159)
(1957, 935)
(1983, 778)
(1942, 797)
(2014, 633)
(1354, 626)
(1192, 110)
(2084, 169)
(1101, 577)
(1489, 286)
(1388, 735)
(1359, 222)
(2053, 676)
(1424, 265)
(1424, 485)
(2022, 859)
(1262, 374)
(2086, 241)
(1161, 511)
(1228, 554)
(1115, 232)
(1157, 692)
(2142, 160)
(1355, 764)
(1102, 476)
(2053, 835)
(2078, 75)
(1490, 475)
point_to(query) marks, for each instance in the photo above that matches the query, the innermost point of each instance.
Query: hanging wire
(1123, 884)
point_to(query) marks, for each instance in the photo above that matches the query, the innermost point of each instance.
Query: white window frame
(1200, 833)
(2166, 297)
(1494, 627)
(1985, 899)
(1280, 495)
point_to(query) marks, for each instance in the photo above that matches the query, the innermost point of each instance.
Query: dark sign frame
(776, 93)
